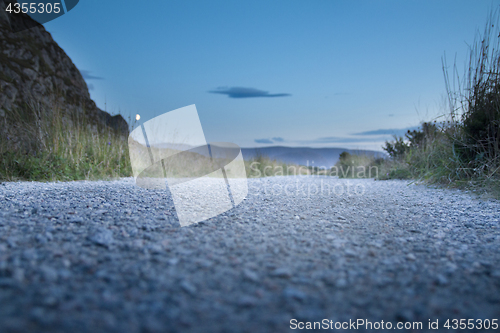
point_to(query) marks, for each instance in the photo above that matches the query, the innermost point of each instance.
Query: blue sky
(315, 72)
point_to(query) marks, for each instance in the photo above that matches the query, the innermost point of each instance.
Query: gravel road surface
(111, 257)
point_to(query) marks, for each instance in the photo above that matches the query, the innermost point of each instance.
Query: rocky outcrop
(34, 69)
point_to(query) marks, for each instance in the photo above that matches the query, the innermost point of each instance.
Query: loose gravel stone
(188, 287)
(102, 237)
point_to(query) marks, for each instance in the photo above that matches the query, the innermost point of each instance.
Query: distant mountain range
(326, 157)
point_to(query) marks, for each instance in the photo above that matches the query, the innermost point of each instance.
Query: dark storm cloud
(241, 92)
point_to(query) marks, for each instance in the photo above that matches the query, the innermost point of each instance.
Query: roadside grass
(44, 145)
(463, 150)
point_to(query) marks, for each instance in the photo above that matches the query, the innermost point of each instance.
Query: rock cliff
(34, 69)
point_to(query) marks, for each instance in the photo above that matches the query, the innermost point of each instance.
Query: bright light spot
(137, 117)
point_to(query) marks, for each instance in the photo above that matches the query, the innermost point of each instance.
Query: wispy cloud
(87, 76)
(266, 141)
(392, 131)
(379, 135)
(334, 139)
(269, 141)
(241, 92)
(367, 137)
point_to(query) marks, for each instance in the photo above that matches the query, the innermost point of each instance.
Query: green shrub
(356, 166)
(419, 138)
(429, 155)
(397, 148)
